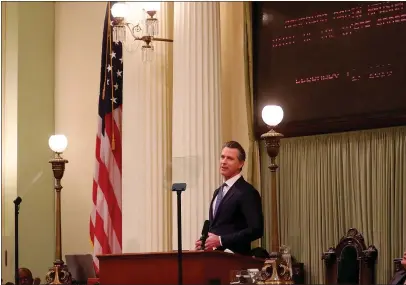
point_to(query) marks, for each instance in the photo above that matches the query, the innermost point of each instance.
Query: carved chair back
(350, 262)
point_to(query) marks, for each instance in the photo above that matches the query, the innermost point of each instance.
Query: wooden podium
(199, 267)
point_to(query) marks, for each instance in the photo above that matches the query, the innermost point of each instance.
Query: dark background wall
(332, 66)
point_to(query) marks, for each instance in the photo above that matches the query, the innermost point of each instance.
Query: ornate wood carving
(366, 257)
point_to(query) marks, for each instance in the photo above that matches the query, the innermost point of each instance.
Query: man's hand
(212, 242)
(198, 245)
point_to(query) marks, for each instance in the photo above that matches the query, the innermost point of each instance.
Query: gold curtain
(253, 173)
(233, 99)
(330, 183)
(253, 159)
(237, 83)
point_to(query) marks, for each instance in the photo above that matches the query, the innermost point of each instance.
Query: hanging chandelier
(148, 34)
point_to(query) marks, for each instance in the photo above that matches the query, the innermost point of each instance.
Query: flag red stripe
(104, 179)
(94, 196)
(101, 236)
(91, 231)
(117, 139)
(112, 203)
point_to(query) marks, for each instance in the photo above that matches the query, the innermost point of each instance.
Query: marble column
(147, 140)
(196, 135)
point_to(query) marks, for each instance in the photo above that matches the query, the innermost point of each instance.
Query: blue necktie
(220, 196)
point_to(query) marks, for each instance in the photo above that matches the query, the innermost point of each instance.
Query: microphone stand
(179, 188)
(17, 203)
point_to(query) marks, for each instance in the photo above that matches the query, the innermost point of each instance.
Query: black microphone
(18, 201)
(205, 233)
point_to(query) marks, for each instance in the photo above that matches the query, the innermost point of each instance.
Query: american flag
(106, 216)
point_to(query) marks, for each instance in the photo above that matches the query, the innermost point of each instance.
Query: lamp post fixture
(59, 273)
(276, 270)
(272, 116)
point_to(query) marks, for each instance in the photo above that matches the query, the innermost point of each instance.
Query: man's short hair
(26, 271)
(236, 145)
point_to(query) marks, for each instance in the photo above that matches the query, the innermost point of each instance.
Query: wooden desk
(199, 267)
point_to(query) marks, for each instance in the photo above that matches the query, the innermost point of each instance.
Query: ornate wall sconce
(148, 34)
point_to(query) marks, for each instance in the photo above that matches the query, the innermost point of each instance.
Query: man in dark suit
(236, 217)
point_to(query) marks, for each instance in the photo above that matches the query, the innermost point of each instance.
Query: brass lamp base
(275, 271)
(272, 141)
(58, 274)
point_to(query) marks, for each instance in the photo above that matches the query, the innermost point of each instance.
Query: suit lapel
(398, 277)
(211, 204)
(230, 193)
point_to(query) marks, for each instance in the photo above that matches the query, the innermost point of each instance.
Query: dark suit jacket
(239, 219)
(399, 278)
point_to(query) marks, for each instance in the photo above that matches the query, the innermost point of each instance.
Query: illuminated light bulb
(58, 143)
(119, 10)
(272, 115)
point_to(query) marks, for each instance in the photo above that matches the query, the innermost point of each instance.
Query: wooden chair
(350, 262)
